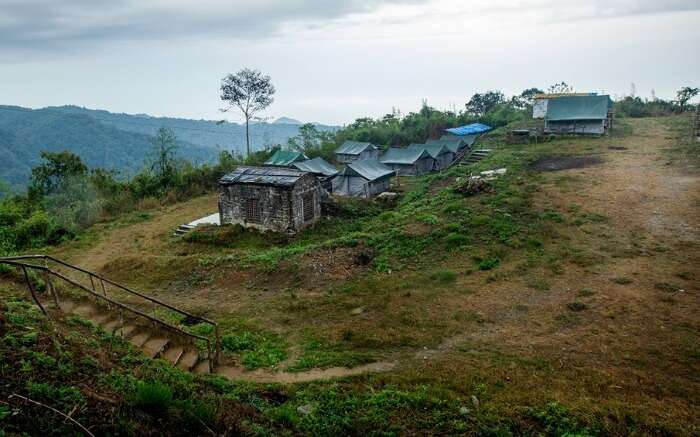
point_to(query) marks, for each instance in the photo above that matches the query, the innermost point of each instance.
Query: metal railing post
(104, 292)
(31, 290)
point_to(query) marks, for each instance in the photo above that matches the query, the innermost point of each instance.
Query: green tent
(285, 158)
(317, 166)
(404, 156)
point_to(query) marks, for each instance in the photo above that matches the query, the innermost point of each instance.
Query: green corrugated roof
(370, 169)
(434, 150)
(578, 108)
(284, 158)
(317, 166)
(404, 156)
(354, 147)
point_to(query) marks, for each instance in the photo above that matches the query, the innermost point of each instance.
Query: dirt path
(146, 238)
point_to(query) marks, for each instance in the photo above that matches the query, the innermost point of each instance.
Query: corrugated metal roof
(354, 147)
(283, 177)
(578, 108)
(434, 150)
(317, 166)
(370, 169)
(470, 129)
(284, 158)
(404, 156)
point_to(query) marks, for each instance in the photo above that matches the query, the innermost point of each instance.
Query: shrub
(154, 397)
(443, 276)
(455, 240)
(488, 264)
(576, 306)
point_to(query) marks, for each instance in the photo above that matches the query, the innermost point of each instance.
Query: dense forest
(118, 141)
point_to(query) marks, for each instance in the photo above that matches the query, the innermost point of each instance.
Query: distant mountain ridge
(119, 141)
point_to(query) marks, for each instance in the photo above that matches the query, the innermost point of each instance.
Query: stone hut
(266, 198)
(351, 151)
(408, 162)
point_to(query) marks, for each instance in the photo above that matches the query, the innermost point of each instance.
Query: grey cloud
(51, 24)
(573, 10)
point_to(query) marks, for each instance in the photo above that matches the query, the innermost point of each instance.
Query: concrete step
(188, 360)
(112, 325)
(67, 306)
(173, 354)
(84, 310)
(140, 338)
(100, 319)
(155, 346)
(126, 330)
(202, 367)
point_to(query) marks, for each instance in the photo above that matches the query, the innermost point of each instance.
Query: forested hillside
(116, 141)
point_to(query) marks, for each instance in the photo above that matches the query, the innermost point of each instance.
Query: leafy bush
(154, 397)
(489, 264)
(443, 276)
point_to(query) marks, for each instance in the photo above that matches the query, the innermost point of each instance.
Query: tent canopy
(284, 158)
(354, 147)
(404, 156)
(370, 169)
(578, 108)
(317, 166)
(434, 150)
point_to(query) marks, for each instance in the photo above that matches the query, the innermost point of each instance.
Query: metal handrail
(213, 350)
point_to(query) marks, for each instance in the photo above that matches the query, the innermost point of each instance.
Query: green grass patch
(256, 349)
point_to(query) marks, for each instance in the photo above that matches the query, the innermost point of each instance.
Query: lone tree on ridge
(250, 92)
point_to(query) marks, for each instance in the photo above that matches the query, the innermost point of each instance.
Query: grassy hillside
(561, 301)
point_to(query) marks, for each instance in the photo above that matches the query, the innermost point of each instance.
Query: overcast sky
(333, 61)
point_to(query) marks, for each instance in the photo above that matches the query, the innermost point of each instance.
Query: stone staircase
(153, 342)
(121, 311)
(182, 230)
(475, 156)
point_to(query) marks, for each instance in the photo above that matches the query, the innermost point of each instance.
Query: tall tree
(163, 161)
(58, 168)
(685, 94)
(480, 104)
(250, 92)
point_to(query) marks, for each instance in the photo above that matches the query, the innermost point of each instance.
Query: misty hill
(117, 141)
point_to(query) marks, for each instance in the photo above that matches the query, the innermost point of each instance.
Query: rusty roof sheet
(282, 177)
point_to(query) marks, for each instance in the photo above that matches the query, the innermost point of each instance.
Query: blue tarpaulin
(470, 129)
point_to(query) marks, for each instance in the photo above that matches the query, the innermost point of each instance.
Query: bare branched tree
(248, 91)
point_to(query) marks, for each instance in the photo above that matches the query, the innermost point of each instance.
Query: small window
(308, 201)
(252, 213)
